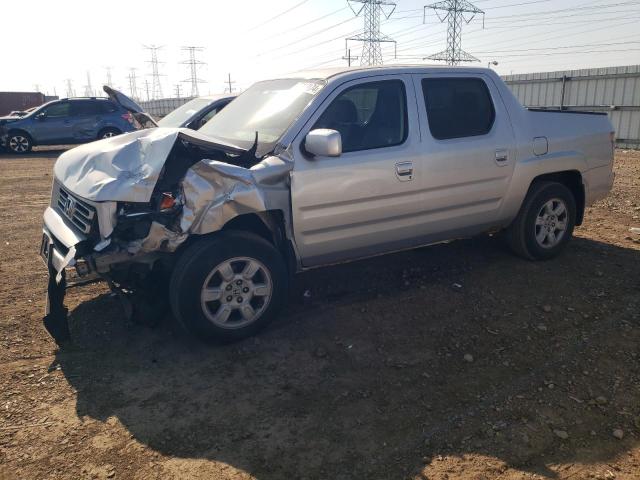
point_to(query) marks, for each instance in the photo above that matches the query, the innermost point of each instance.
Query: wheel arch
(269, 225)
(572, 179)
(22, 131)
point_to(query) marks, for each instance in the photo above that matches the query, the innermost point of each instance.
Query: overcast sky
(49, 42)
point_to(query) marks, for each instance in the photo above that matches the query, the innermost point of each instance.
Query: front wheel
(228, 287)
(19, 143)
(545, 222)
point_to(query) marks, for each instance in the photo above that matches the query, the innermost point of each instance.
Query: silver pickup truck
(313, 169)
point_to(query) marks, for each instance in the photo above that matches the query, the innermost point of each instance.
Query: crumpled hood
(9, 119)
(124, 168)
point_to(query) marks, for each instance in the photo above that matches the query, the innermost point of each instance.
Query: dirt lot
(456, 361)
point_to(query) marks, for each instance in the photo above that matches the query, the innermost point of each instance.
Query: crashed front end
(122, 206)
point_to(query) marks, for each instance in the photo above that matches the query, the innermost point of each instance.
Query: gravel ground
(456, 361)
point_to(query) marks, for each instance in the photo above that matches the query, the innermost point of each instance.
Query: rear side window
(93, 107)
(107, 106)
(458, 107)
(369, 115)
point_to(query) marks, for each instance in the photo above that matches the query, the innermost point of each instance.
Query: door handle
(502, 156)
(404, 171)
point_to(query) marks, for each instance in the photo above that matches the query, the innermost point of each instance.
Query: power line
(457, 11)
(371, 37)
(278, 15)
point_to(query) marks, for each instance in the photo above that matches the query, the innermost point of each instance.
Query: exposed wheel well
(109, 129)
(269, 225)
(572, 179)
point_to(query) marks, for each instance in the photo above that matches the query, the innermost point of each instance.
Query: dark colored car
(68, 121)
(195, 113)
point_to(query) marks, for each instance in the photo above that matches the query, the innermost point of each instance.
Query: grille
(81, 214)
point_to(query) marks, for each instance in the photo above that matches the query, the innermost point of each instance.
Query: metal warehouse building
(615, 90)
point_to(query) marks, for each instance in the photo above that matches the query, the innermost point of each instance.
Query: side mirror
(41, 116)
(323, 142)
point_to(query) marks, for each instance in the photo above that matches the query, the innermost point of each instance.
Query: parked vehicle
(66, 121)
(319, 168)
(195, 113)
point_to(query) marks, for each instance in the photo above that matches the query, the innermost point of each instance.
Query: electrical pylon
(70, 91)
(371, 37)
(88, 89)
(457, 12)
(156, 86)
(133, 83)
(193, 69)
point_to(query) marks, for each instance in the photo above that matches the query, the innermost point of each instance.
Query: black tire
(202, 259)
(521, 234)
(19, 143)
(108, 133)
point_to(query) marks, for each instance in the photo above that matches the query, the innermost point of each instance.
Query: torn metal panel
(160, 238)
(126, 167)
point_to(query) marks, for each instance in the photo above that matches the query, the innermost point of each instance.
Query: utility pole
(349, 58)
(88, 89)
(371, 37)
(177, 90)
(455, 13)
(133, 83)
(230, 84)
(193, 69)
(70, 91)
(155, 72)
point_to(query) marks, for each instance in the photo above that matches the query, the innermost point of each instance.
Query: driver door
(54, 124)
(365, 201)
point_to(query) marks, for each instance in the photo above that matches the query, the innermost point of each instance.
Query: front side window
(369, 115)
(458, 107)
(58, 110)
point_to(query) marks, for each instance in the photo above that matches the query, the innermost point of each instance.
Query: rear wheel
(19, 143)
(228, 287)
(108, 133)
(545, 222)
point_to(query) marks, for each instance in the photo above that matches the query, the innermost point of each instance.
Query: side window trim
(344, 88)
(492, 102)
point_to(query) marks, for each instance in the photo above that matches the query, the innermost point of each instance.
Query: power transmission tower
(133, 83)
(177, 90)
(156, 91)
(371, 37)
(146, 86)
(193, 69)
(109, 80)
(349, 58)
(70, 91)
(456, 12)
(36, 87)
(88, 89)
(229, 83)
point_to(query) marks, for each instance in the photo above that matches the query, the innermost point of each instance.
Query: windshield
(180, 115)
(268, 108)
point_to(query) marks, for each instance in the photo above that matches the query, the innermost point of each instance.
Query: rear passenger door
(87, 119)
(468, 153)
(365, 201)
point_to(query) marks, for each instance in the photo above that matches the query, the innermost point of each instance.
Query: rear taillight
(128, 117)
